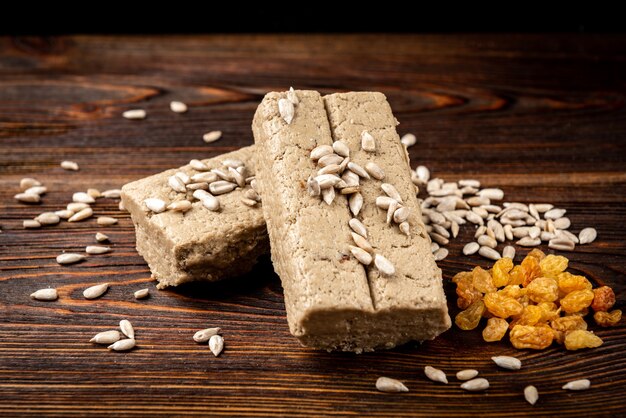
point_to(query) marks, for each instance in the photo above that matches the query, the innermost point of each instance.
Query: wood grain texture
(542, 117)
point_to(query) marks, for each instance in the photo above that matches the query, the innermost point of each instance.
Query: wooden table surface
(543, 117)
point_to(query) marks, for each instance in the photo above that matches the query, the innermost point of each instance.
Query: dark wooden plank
(541, 116)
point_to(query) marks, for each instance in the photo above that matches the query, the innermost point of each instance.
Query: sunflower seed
(249, 202)
(436, 217)
(96, 291)
(328, 195)
(391, 191)
(561, 244)
(554, 214)
(221, 187)
(469, 183)
(70, 258)
(127, 328)
(48, 218)
(178, 107)
(582, 384)
(405, 228)
(393, 206)
(546, 236)
(106, 221)
(467, 374)
(286, 110)
(434, 247)
(441, 231)
(321, 151)
(435, 375)
(82, 197)
(155, 205)
(112, 194)
(508, 232)
(480, 231)
(27, 197)
(31, 224)
(401, 214)
(508, 252)
(568, 235)
(176, 184)
(292, 97)
(198, 165)
(489, 253)
(106, 337)
(36, 190)
(179, 206)
(562, 223)
(532, 209)
(423, 174)
(28, 182)
(361, 242)
(341, 148)
(384, 266)
(361, 255)
(45, 294)
(408, 140)
(587, 236)
(531, 394)
(326, 181)
(534, 232)
(550, 226)
(216, 342)
(210, 202)
(355, 201)
(475, 385)
(211, 136)
(389, 385)
(134, 114)
(204, 177)
(97, 249)
(122, 345)
(491, 194)
(474, 218)
(80, 215)
(440, 239)
(507, 362)
(358, 227)
(197, 186)
(121, 206)
(478, 201)
(142, 293)
(69, 165)
(497, 229)
(487, 241)
(440, 254)
(358, 170)
(383, 202)
(529, 242)
(100, 237)
(454, 228)
(471, 248)
(203, 336)
(374, 170)
(95, 193)
(368, 143)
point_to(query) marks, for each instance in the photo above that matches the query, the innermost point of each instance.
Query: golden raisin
(469, 318)
(501, 270)
(461, 276)
(531, 269)
(543, 289)
(502, 306)
(603, 299)
(569, 282)
(552, 265)
(482, 280)
(517, 275)
(527, 336)
(568, 323)
(495, 329)
(466, 292)
(531, 315)
(576, 301)
(575, 340)
(549, 311)
(606, 319)
(536, 253)
(512, 291)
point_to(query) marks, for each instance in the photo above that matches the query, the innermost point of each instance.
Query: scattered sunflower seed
(509, 252)
(211, 136)
(489, 253)
(440, 254)
(582, 384)
(97, 249)
(106, 337)
(82, 197)
(77, 207)
(48, 218)
(28, 182)
(408, 140)
(95, 193)
(358, 227)
(387, 384)
(471, 248)
(123, 345)
(405, 228)
(531, 394)
(112, 194)
(328, 195)
(475, 385)
(355, 202)
(368, 143)
(554, 214)
(423, 173)
(96, 291)
(70, 258)
(45, 294)
(216, 342)
(106, 221)
(292, 96)
(180, 206)
(286, 110)
(155, 205)
(142, 293)
(221, 187)
(491, 194)
(435, 375)
(176, 184)
(31, 224)
(27, 197)
(529, 242)
(80, 215)
(507, 362)
(178, 107)
(384, 265)
(36, 190)
(391, 191)
(134, 114)
(361, 255)
(127, 328)
(561, 244)
(69, 165)
(374, 170)
(587, 236)
(341, 148)
(487, 241)
(467, 374)
(401, 214)
(204, 335)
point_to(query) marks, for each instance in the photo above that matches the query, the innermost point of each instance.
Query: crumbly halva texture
(332, 300)
(197, 244)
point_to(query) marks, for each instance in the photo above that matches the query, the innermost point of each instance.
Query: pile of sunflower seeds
(448, 205)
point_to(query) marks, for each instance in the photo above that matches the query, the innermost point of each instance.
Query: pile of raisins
(537, 302)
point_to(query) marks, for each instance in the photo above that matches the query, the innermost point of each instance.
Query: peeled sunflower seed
(489, 253)
(36, 190)
(69, 165)
(582, 384)
(492, 194)
(440, 254)
(286, 110)
(176, 184)
(134, 114)
(97, 249)
(48, 218)
(45, 294)
(509, 252)
(179, 206)
(358, 170)
(70, 258)
(358, 227)
(355, 201)
(507, 362)
(475, 385)
(292, 96)
(27, 197)
(204, 335)
(155, 205)
(106, 337)
(211, 136)
(467, 374)
(423, 173)
(221, 187)
(216, 344)
(471, 248)
(529, 242)
(587, 235)
(391, 191)
(341, 148)
(210, 202)
(178, 107)
(531, 394)
(435, 375)
(82, 197)
(112, 193)
(96, 291)
(408, 140)
(368, 143)
(106, 221)
(28, 182)
(127, 328)
(123, 345)
(384, 265)
(100, 237)
(77, 207)
(561, 243)
(31, 224)
(64, 213)
(361, 255)
(142, 293)
(387, 384)
(81, 214)
(374, 170)
(401, 214)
